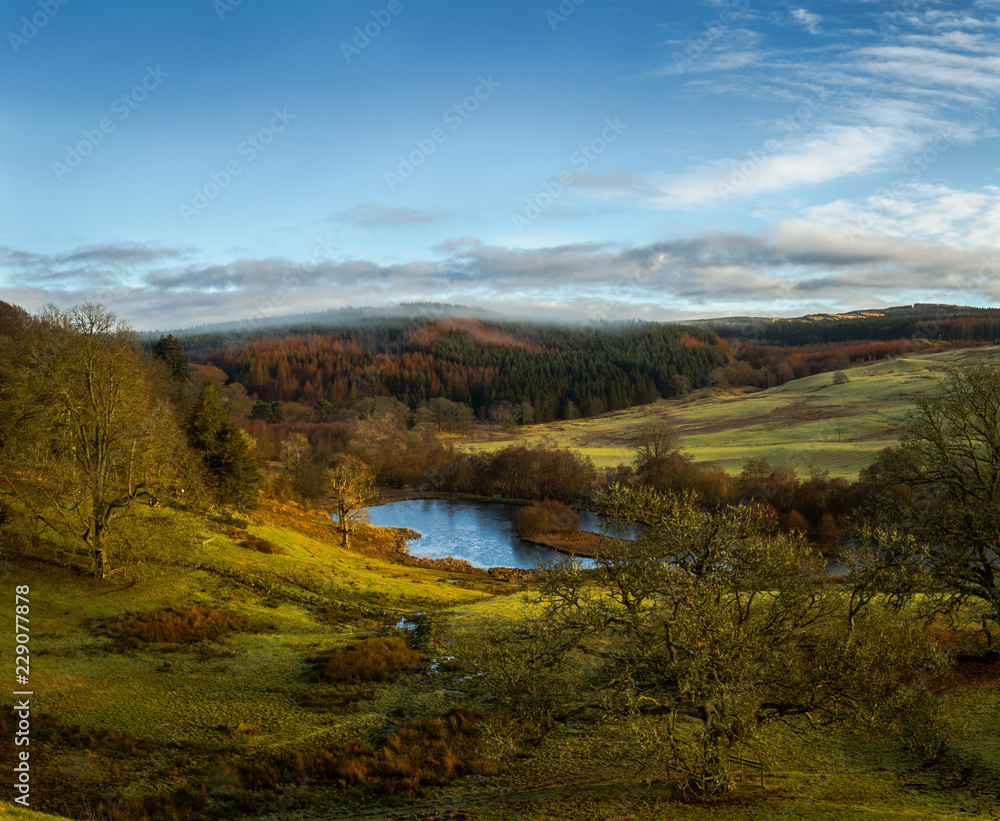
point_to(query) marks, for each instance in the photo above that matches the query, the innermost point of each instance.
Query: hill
(548, 371)
(806, 423)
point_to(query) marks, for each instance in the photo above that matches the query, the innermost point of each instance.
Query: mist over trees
(545, 372)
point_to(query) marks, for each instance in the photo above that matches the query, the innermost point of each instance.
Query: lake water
(481, 533)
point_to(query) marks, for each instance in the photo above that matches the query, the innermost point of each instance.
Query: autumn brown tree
(351, 485)
(93, 440)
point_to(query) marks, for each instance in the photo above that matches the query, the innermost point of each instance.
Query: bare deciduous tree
(351, 485)
(92, 440)
(706, 631)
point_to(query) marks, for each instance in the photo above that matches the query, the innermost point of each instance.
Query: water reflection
(481, 533)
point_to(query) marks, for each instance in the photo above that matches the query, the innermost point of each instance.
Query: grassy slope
(243, 694)
(802, 424)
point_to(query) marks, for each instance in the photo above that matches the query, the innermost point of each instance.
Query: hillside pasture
(805, 424)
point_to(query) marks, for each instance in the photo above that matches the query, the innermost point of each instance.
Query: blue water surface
(481, 533)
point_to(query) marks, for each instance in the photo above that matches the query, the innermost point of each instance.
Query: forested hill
(935, 323)
(551, 371)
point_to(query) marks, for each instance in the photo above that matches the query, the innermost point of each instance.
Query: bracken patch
(198, 622)
(368, 660)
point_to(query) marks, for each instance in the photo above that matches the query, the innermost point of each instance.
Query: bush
(546, 517)
(263, 546)
(420, 754)
(841, 378)
(368, 660)
(177, 624)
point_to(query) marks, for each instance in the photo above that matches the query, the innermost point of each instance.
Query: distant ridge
(860, 313)
(333, 318)
(749, 327)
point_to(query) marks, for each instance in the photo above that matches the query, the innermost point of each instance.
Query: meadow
(245, 724)
(805, 424)
(255, 668)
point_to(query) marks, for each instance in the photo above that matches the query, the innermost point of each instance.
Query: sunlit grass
(805, 424)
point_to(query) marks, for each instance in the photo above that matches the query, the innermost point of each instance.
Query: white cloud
(807, 19)
(798, 265)
(838, 151)
(931, 213)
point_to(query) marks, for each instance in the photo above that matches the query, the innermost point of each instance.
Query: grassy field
(191, 720)
(804, 424)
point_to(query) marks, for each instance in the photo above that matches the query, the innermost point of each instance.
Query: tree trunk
(345, 536)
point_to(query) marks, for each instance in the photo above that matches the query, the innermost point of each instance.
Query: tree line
(93, 427)
(557, 372)
(516, 373)
(934, 323)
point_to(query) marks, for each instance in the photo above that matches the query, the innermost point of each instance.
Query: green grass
(201, 711)
(804, 424)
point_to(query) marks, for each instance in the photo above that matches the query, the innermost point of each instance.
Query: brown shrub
(793, 521)
(177, 624)
(263, 546)
(420, 754)
(546, 517)
(51, 729)
(368, 660)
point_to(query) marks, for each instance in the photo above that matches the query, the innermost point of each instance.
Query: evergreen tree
(169, 349)
(227, 452)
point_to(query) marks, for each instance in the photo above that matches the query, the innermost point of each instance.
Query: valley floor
(190, 720)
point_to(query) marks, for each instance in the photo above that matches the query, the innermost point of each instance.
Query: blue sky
(200, 160)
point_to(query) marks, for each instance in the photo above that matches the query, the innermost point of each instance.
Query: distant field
(803, 424)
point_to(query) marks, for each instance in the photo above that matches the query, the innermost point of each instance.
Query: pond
(481, 533)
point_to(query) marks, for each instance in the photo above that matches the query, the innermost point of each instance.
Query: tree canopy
(706, 631)
(226, 451)
(949, 457)
(91, 439)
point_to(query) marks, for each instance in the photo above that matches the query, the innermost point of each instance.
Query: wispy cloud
(373, 215)
(879, 102)
(778, 165)
(806, 18)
